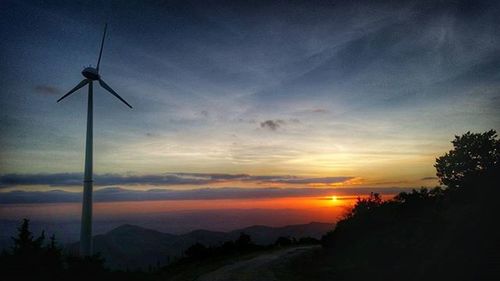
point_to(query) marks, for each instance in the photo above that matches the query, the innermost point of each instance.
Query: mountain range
(129, 246)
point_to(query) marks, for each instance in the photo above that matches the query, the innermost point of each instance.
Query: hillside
(439, 234)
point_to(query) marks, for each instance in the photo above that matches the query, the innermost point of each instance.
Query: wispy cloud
(47, 90)
(274, 125)
(72, 179)
(297, 180)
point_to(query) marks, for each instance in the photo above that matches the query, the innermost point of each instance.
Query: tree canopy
(472, 155)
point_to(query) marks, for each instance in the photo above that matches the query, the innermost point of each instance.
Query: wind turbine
(91, 74)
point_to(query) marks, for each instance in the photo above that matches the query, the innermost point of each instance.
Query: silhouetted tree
(244, 242)
(27, 252)
(420, 196)
(472, 155)
(283, 241)
(29, 257)
(52, 257)
(196, 251)
(227, 247)
(24, 244)
(308, 240)
(363, 205)
(86, 267)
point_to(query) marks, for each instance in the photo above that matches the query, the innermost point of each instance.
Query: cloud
(41, 179)
(205, 114)
(47, 90)
(72, 179)
(114, 194)
(272, 125)
(327, 180)
(69, 179)
(429, 178)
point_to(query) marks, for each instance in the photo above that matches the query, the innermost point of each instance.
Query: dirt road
(258, 268)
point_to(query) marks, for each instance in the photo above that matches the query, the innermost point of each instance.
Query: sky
(237, 94)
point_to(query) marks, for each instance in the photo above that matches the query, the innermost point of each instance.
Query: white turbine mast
(91, 74)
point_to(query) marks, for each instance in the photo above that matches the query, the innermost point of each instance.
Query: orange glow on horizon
(299, 209)
(143, 207)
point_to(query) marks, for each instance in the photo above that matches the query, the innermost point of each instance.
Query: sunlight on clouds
(378, 99)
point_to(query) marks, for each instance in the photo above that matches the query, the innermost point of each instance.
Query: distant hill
(130, 246)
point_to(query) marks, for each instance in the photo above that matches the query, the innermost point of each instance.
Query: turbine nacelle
(90, 73)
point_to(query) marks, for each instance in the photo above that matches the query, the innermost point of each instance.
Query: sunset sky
(312, 94)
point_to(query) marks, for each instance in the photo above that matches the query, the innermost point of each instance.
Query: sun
(334, 198)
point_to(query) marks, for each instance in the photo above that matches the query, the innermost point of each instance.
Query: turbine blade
(108, 88)
(102, 45)
(81, 84)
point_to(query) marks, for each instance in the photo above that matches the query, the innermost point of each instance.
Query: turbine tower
(91, 74)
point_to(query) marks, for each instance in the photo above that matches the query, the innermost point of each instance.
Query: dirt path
(257, 268)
